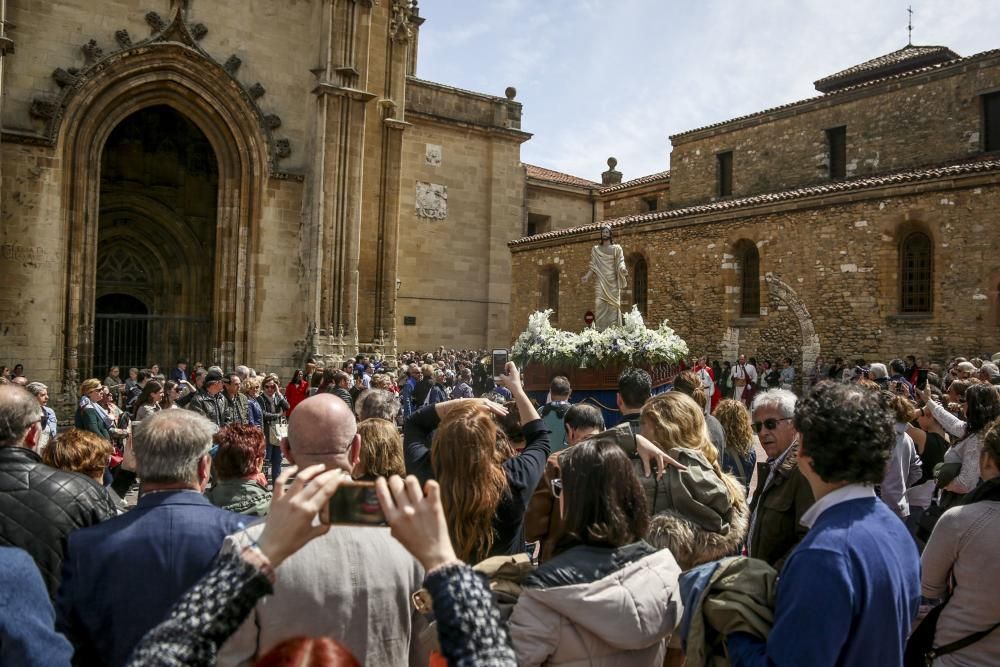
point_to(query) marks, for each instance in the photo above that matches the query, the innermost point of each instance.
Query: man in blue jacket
(122, 577)
(849, 592)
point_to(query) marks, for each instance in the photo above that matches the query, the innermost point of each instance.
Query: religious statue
(607, 262)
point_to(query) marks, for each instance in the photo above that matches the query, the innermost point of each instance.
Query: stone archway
(810, 340)
(178, 76)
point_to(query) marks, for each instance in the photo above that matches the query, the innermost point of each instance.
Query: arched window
(639, 278)
(550, 290)
(915, 272)
(749, 279)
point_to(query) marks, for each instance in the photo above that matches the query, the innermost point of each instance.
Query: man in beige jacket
(353, 584)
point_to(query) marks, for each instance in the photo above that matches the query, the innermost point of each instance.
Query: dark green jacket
(775, 528)
(240, 495)
(88, 420)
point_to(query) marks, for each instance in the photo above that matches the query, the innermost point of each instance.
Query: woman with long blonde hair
(709, 520)
(739, 458)
(484, 493)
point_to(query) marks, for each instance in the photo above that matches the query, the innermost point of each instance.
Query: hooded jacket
(598, 607)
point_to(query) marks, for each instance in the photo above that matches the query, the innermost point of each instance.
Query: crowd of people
(186, 518)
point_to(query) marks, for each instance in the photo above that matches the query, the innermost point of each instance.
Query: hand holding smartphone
(355, 504)
(499, 364)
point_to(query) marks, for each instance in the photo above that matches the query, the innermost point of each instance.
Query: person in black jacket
(208, 401)
(39, 505)
(485, 491)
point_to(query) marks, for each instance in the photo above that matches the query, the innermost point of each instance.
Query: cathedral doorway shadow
(121, 332)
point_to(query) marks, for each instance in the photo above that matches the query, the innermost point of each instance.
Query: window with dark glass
(725, 169)
(991, 121)
(915, 273)
(749, 280)
(836, 139)
(552, 291)
(639, 277)
(650, 203)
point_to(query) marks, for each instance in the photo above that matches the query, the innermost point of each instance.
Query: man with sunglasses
(782, 495)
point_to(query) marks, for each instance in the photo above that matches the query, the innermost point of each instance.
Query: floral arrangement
(630, 343)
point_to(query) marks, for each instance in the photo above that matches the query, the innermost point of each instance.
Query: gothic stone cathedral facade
(251, 182)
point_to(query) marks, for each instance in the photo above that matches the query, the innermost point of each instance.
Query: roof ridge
(566, 178)
(955, 168)
(840, 91)
(642, 180)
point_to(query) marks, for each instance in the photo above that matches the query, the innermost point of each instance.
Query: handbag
(920, 651)
(277, 431)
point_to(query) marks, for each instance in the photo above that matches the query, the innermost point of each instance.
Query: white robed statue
(607, 262)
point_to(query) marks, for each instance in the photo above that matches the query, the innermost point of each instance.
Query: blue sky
(617, 77)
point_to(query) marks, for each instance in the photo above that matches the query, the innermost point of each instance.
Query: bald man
(353, 584)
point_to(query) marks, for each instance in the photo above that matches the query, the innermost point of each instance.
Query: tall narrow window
(836, 140)
(725, 169)
(991, 121)
(552, 291)
(749, 279)
(639, 277)
(915, 273)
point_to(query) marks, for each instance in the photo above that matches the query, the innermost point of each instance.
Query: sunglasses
(556, 488)
(769, 424)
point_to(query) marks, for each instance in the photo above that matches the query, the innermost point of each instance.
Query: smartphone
(922, 378)
(356, 504)
(499, 363)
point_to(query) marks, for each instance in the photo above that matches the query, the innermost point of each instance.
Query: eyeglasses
(769, 424)
(556, 487)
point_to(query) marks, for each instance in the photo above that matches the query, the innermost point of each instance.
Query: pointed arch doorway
(156, 242)
(173, 75)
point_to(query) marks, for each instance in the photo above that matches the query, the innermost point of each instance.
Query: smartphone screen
(922, 378)
(499, 362)
(356, 503)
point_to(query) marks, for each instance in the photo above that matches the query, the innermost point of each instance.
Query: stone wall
(918, 120)
(634, 201)
(564, 207)
(462, 199)
(828, 274)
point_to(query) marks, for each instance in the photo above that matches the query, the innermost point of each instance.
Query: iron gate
(128, 340)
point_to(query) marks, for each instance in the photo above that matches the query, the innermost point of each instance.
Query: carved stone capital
(282, 148)
(65, 77)
(272, 121)
(256, 91)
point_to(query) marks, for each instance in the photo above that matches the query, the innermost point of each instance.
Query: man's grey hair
(36, 388)
(169, 445)
(379, 404)
(991, 369)
(242, 371)
(878, 371)
(18, 411)
(780, 399)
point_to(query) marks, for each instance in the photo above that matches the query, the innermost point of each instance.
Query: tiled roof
(543, 174)
(898, 178)
(907, 58)
(892, 77)
(635, 182)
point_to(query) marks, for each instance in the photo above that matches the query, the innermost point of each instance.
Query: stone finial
(123, 38)
(256, 91)
(65, 77)
(232, 64)
(282, 148)
(198, 31)
(43, 109)
(272, 121)
(510, 93)
(155, 21)
(611, 176)
(91, 51)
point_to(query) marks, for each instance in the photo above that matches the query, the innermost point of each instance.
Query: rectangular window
(836, 140)
(725, 169)
(538, 224)
(650, 203)
(991, 122)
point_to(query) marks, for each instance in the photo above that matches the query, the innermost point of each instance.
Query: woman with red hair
(308, 652)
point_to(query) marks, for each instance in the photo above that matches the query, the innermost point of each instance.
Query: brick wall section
(633, 202)
(919, 120)
(839, 256)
